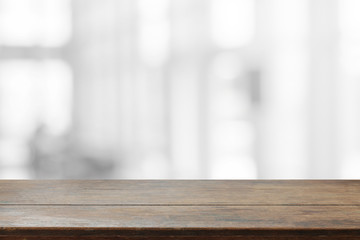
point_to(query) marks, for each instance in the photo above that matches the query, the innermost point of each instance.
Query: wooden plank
(207, 235)
(183, 217)
(258, 235)
(181, 192)
(179, 210)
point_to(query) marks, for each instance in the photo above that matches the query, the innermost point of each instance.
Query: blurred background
(224, 89)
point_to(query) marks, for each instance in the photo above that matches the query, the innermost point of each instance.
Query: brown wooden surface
(183, 209)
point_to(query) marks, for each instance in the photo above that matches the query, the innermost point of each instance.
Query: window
(35, 78)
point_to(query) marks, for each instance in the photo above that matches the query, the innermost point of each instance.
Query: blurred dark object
(59, 157)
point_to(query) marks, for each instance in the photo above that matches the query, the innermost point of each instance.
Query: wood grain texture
(182, 209)
(191, 192)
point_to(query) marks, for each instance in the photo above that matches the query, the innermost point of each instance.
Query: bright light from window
(349, 18)
(57, 92)
(34, 92)
(17, 98)
(35, 22)
(232, 22)
(154, 31)
(348, 88)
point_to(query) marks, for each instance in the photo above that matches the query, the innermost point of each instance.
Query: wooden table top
(182, 209)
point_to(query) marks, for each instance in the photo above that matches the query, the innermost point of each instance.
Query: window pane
(232, 22)
(348, 88)
(32, 94)
(35, 22)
